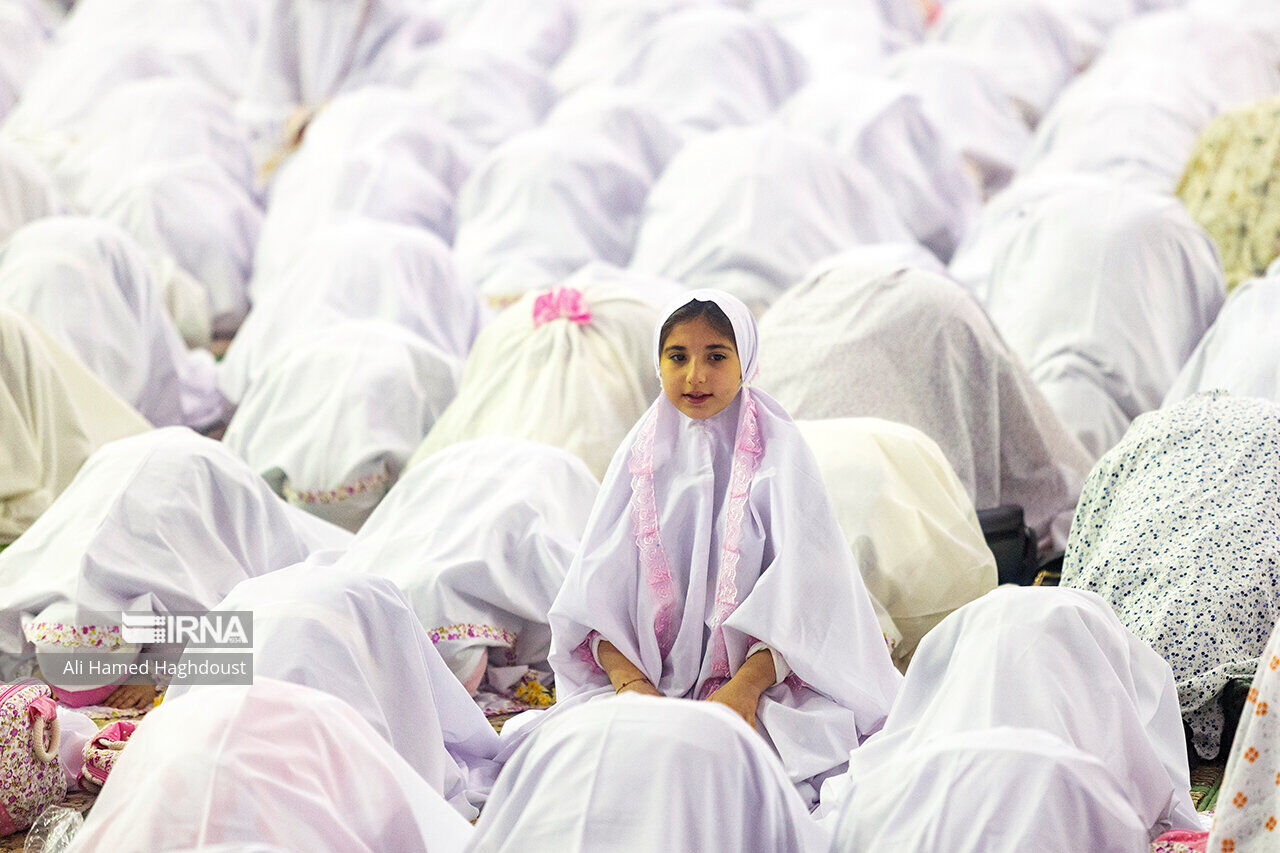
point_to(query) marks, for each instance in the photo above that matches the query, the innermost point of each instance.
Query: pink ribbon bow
(562, 302)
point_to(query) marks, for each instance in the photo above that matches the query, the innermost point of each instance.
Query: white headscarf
(27, 192)
(883, 126)
(24, 39)
(53, 415)
(849, 343)
(1102, 332)
(270, 764)
(90, 287)
(163, 521)
(355, 637)
(646, 774)
(332, 421)
(544, 203)
(1048, 659)
(567, 367)
(623, 117)
(1240, 353)
(908, 518)
(749, 210)
(360, 270)
(537, 31)
(692, 516)
(970, 790)
(479, 537)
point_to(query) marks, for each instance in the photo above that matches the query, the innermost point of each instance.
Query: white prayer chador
(136, 530)
(1240, 353)
(1026, 43)
(595, 338)
(479, 537)
(542, 205)
(883, 126)
(912, 346)
(710, 536)
(538, 31)
(489, 96)
(964, 99)
(999, 662)
(355, 637)
(53, 414)
(969, 792)
(748, 210)
(646, 774)
(607, 32)
(27, 192)
(90, 286)
(908, 518)
(269, 764)
(1179, 530)
(332, 420)
(1102, 332)
(836, 37)
(24, 39)
(361, 270)
(622, 117)
(193, 212)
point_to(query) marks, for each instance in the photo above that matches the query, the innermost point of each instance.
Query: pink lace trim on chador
(653, 559)
(338, 495)
(562, 302)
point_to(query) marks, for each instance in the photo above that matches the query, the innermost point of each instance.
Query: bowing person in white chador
(713, 566)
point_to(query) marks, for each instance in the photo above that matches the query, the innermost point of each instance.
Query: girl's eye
(718, 356)
(676, 357)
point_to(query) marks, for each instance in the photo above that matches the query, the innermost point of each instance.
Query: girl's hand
(135, 696)
(742, 701)
(641, 686)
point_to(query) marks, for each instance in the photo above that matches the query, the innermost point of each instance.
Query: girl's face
(700, 369)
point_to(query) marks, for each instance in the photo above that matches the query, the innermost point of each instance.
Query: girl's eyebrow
(674, 348)
(719, 346)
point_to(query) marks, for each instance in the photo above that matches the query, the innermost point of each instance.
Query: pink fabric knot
(43, 707)
(562, 302)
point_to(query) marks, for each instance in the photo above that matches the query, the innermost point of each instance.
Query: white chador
(266, 766)
(996, 665)
(646, 774)
(92, 289)
(163, 521)
(565, 367)
(479, 537)
(53, 414)
(27, 193)
(908, 518)
(355, 637)
(1240, 353)
(710, 538)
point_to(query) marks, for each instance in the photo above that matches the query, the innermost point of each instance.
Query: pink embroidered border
(472, 631)
(644, 522)
(73, 636)
(333, 496)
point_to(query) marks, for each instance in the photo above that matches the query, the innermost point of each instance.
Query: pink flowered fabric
(73, 636)
(472, 631)
(560, 303)
(333, 496)
(644, 520)
(27, 783)
(1180, 841)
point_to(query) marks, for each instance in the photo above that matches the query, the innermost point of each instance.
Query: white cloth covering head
(747, 68)
(354, 636)
(912, 346)
(964, 99)
(89, 285)
(53, 414)
(1240, 354)
(307, 51)
(27, 192)
(973, 789)
(748, 210)
(479, 537)
(332, 420)
(883, 126)
(837, 37)
(1178, 529)
(649, 775)
(1049, 659)
(24, 39)
(192, 211)
(723, 526)
(356, 270)
(136, 530)
(1103, 332)
(1249, 793)
(1027, 44)
(488, 96)
(543, 204)
(269, 764)
(623, 117)
(908, 518)
(537, 31)
(596, 341)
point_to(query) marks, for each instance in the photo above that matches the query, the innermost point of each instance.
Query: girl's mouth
(697, 398)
